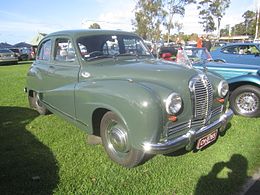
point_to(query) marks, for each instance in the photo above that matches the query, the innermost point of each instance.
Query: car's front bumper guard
(189, 139)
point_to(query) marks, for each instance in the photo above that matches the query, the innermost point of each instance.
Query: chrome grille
(194, 124)
(217, 111)
(201, 95)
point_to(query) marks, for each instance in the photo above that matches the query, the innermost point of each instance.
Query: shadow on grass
(26, 165)
(224, 178)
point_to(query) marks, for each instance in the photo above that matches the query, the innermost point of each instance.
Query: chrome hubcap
(117, 139)
(247, 102)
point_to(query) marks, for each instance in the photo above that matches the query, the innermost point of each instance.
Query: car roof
(234, 44)
(88, 32)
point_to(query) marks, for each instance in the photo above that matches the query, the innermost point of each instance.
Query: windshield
(198, 54)
(106, 46)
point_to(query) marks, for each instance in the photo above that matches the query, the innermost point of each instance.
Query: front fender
(138, 106)
(244, 78)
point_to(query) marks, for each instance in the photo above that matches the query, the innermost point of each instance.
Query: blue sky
(22, 20)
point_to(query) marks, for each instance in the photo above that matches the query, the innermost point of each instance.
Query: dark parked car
(7, 57)
(238, 53)
(109, 84)
(20, 55)
(243, 79)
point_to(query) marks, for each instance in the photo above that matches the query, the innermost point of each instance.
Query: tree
(94, 26)
(247, 27)
(249, 22)
(210, 10)
(205, 15)
(174, 7)
(148, 17)
(225, 31)
(217, 9)
(178, 26)
(238, 29)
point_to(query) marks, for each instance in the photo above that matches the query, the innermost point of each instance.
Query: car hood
(229, 66)
(229, 70)
(152, 71)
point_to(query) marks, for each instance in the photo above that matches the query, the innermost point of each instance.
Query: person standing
(207, 43)
(199, 42)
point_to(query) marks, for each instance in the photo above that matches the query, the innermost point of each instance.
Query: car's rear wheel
(245, 101)
(35, 102)
(115, 139)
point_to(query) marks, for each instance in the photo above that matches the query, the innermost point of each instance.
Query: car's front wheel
(245, 101)
(115, 139)
(35, 102)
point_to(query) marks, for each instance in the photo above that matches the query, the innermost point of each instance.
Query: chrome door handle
(85, 74)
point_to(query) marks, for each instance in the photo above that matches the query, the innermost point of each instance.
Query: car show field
(47, 155)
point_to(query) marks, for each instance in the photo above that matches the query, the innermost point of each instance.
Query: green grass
(47, 155)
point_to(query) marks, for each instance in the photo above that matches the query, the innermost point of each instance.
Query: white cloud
(116, 16)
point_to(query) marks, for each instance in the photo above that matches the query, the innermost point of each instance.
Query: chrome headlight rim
(223, 88)
(173, 100)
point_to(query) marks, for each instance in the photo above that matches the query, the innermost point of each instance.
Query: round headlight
(173, 103)
(223, 88)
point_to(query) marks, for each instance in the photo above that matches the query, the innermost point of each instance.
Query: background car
(243, 79)
(198, 54)
(7, 57)
(28, 52)
(239, 53)
(20, 55)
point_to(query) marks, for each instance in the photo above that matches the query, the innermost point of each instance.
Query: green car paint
(129, 82)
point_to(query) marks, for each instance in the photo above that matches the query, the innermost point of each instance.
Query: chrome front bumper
(189, 139)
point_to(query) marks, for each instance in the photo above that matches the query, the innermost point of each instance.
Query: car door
(39, 70)
(62, 77)
(231, 54)
(252, 55)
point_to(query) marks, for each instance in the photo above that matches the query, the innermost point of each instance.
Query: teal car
(109, 84)
(243, 80)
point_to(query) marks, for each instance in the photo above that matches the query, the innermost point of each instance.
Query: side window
(253, 50)
(111, 46)
(83, 49)
(230, 50)
(64, 50)
(44, 52)
(135, 46)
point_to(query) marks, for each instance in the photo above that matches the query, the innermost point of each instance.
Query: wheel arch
(96, 119)
(235, 85)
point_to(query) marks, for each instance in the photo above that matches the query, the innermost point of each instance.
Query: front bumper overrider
(189, 139)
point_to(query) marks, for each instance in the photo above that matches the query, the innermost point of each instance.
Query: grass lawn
(47, 155)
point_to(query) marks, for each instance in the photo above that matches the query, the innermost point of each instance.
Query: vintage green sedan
(110, 85)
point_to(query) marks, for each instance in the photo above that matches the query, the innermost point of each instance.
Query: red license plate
(202, 142)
